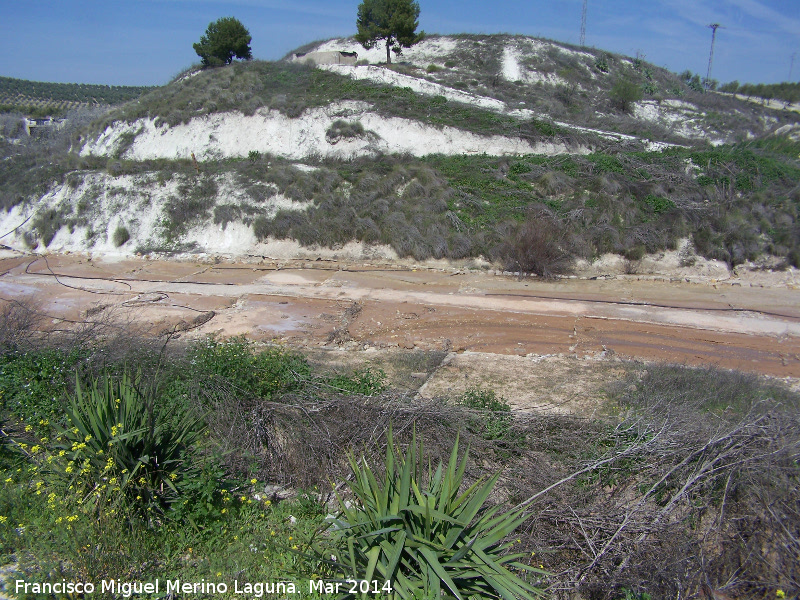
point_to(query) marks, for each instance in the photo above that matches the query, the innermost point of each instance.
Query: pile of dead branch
(675, 492)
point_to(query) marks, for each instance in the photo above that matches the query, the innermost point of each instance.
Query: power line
(583, 24)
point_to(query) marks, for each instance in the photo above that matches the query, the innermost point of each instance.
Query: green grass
(241, 539)
(205, 520)
(728, 395)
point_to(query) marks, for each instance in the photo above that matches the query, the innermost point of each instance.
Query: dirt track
(310, 304)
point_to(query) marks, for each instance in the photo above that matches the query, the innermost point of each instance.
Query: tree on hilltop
(224, 40)
(395, 21)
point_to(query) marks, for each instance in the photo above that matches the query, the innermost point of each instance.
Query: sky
(147, 42)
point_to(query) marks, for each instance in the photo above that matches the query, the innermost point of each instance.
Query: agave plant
(115, 449)
(419, 532)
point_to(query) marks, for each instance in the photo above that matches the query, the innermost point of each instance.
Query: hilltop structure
(332, 57)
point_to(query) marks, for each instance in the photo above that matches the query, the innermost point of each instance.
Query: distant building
(34, 125)
(333, 57)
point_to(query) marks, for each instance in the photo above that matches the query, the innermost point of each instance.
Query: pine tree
(224, 39)
(395, 21)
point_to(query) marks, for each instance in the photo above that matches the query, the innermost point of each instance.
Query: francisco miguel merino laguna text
(126, 589)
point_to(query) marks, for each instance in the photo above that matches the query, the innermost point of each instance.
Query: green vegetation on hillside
(293, 88)
(736, 202)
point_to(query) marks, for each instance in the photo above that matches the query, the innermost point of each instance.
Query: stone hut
(333, 57)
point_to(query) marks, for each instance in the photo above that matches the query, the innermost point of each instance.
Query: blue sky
(146, 42)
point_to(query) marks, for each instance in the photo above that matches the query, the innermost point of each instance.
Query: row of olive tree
(392, 21)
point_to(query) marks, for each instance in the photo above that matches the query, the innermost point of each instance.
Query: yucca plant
(419, 532)
(115, 449)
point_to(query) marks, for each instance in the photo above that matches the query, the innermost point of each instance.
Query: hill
(37, 98)
(523, 151)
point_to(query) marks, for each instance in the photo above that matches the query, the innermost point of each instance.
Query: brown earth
(314, 304)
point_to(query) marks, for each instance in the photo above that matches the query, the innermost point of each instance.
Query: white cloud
(765, 13)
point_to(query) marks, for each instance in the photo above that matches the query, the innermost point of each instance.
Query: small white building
(333, 57)
(31, 125)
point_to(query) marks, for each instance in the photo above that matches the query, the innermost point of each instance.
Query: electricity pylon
(583, 24)
(714, 27)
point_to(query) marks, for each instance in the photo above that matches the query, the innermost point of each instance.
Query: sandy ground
(476, 316)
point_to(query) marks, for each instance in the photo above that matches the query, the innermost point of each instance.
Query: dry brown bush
(19, 320)
(538, 246)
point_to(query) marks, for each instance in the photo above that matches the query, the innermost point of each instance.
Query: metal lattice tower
(583, 24)
(714, 27)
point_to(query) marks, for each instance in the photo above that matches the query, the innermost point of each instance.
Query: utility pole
(714, 27)
(583, 24)
(791, 67)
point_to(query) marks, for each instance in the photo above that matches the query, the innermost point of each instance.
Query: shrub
(658, 204)
(46, 225)
(227, 213)
(418, 531)
(260, 374)
(116, 449)
(342, 129)
(649, 88)
(624, 93)
(537, 246)
(34, 384)
(366, 382)
(120, 236)
(195, 199)
(497, 423)
(261, 227)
